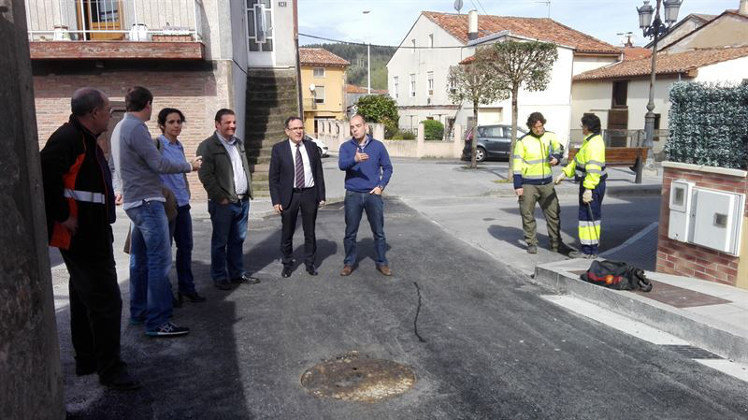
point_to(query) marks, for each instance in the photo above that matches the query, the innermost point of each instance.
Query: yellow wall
(334, 105)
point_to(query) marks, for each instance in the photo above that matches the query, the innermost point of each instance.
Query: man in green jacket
(225, 176)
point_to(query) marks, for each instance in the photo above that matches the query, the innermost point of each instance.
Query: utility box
(681, 194)
(717, 218)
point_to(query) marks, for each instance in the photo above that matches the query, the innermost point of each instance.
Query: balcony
(115, 29)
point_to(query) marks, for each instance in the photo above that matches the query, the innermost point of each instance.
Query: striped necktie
(299, 168)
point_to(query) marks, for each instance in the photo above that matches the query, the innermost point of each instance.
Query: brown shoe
(384, 270)
(347, 270)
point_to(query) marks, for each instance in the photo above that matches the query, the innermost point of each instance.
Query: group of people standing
(148, 178)
(533, 156)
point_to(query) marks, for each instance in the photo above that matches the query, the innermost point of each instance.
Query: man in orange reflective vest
(80, 210)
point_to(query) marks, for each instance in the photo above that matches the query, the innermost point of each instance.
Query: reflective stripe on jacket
(531, 159)
(589, 162)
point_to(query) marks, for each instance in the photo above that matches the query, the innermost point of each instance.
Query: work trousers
(306, 201)
(95, 311)
(590, 215)
(546, 196)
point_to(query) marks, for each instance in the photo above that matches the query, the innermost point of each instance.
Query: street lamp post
(368, 55)
(653, 29)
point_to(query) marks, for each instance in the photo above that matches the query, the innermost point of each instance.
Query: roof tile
(542, 29)
(681, 62)
(320, 57)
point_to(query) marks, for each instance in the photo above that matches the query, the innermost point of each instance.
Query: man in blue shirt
(367, 169)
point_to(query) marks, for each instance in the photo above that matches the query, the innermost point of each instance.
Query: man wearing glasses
(296, 183)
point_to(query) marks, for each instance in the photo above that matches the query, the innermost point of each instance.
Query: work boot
(532, 249)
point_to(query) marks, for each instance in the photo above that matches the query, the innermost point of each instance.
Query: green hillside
(356, 55)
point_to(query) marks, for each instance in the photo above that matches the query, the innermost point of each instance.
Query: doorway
(100, 15)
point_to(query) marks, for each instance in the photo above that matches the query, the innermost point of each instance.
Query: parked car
(323, 150)
(494, 141)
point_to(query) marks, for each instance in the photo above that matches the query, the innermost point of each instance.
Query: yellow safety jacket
(589, 162)
(532, 156)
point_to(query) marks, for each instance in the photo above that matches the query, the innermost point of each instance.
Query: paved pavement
(495, 345)
(483, 342)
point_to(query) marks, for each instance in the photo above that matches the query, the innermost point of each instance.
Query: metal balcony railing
(107, 20)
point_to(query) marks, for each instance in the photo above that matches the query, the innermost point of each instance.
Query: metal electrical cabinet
(717, 219)
(710, 218)
(679, 227)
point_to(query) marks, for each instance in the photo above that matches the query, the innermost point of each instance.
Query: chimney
(743, 10)
(473, 24)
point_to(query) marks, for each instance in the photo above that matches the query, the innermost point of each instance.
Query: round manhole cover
(353, 378)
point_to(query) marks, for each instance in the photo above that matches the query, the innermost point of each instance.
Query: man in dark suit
(296, 182)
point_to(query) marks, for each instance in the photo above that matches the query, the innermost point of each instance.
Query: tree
(474, 82)
(379, 109)
(521, 64)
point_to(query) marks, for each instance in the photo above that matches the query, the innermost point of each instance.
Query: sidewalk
(708, 315)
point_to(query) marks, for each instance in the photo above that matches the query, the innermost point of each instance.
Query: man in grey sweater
(138, 164)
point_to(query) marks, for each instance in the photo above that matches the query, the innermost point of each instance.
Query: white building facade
(418, 71)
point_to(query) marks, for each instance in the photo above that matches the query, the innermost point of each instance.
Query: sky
(390, 20)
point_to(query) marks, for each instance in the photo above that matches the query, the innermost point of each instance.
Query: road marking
(642, 331)
(632, 239)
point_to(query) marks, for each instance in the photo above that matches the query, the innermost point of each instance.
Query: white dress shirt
(240, 178)
(308, 177)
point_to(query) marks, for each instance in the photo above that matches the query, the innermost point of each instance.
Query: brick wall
(674, 257)
(197, 90)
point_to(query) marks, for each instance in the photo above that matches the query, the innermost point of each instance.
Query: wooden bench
(618, 156)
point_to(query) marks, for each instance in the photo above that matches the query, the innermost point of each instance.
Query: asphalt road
(491, 346)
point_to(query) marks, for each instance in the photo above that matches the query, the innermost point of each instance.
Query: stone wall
(334, 133)
(680, 258)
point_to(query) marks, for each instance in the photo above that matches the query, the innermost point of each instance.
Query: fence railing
(621, 138)
(102, 20)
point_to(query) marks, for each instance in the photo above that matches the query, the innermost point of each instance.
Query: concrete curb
(696, 329)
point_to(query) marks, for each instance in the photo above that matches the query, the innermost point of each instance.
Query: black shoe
(532, 249)
(286, 273)
(168, 330)
(192, 297)
(223, 285)
(121, 381)
(311, 270)
(245, 278)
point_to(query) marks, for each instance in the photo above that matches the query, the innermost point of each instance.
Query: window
(620, 92)
(319, 72)
(259, 25)
(430, 78)
(493, 131)
(319, 94)
(395, 85)
(412, 90)
(413, 42)
(452, 86)
(431, 40)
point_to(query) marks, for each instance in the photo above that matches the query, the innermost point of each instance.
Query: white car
(323, 150)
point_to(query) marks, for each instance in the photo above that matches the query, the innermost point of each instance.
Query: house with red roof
(714, 51)
(418, 71)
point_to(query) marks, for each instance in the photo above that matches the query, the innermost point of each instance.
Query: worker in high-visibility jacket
(588, 167)
(533, 156)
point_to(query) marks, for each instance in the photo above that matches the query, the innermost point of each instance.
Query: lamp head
(671, 11)
(645, 15)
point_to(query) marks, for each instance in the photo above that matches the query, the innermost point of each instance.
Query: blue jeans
(150, 262)
(181, 233)
(355, 204)
(229, 231)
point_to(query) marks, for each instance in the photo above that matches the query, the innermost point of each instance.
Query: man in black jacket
(80, 210)
(226, 178)
(296, 182)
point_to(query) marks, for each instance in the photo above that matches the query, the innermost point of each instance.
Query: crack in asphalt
(418, 311)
